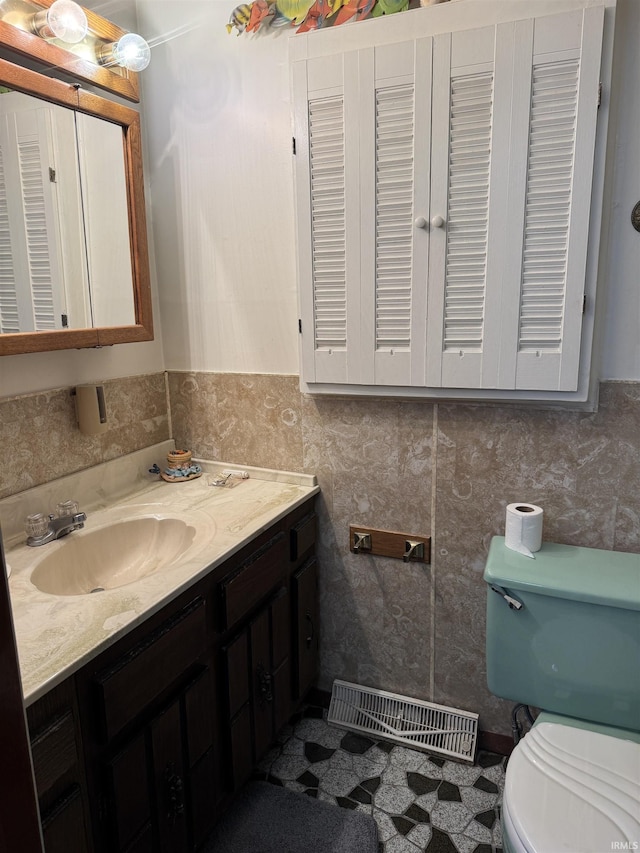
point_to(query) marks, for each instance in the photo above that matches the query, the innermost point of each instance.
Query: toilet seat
(571, 790)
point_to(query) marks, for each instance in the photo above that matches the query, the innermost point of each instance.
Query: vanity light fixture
(130, 51)
(63, 35)
(64, 20)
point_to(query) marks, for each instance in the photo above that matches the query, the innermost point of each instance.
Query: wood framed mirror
(92, 118)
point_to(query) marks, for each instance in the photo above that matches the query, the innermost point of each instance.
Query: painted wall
(217, 116)
(217, 112)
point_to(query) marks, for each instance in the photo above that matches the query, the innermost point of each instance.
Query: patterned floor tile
(421, 803)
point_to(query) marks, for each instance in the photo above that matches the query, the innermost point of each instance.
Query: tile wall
(447, 470)
(41, 440)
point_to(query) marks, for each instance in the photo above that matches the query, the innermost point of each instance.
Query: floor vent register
(436, 729)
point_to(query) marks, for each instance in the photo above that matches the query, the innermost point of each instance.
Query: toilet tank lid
(568, 571)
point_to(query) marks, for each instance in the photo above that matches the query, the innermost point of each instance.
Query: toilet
(563, 636)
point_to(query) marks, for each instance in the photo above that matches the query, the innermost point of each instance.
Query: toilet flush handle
(513, 603)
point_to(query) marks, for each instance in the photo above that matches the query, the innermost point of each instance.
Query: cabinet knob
(437, 221)
(420, 222)
(174, 793)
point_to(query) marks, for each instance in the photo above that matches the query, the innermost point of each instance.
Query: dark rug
(266, 818)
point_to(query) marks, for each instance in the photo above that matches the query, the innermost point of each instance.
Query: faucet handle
(36, 525)
(67, 508)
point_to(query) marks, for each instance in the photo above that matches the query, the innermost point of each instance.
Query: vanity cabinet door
(161, 785)
(258, 684)
(261, 683)
(169, 780)
(237, 728)
(202, 755)
(305, 636)
(270, 671)
(280, 615)
(126, 802)
(63, 825)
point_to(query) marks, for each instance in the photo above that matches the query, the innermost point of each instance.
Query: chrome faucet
(43, 529)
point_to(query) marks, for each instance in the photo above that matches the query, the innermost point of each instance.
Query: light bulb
(64, 20)
(130, 51)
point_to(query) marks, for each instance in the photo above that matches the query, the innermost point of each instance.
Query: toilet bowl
(571, 790)
(563, 635)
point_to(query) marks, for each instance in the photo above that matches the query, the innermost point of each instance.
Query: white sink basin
(111, 556)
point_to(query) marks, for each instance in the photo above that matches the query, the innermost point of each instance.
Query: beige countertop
(56, 635)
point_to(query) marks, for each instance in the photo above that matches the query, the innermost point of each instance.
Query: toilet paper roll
(523, 528)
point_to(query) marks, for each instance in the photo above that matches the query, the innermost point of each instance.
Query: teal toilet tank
(573, 647)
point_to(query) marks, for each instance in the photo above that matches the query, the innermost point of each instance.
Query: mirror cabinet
(74, 266)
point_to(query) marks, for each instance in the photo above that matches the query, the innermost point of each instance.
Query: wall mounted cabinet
(444, 187)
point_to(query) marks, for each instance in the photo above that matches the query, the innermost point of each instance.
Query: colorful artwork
(308, 15)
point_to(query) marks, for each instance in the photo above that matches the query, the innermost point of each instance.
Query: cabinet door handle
(175, 793)
(264, 683)
(437, 222)
(312, 631)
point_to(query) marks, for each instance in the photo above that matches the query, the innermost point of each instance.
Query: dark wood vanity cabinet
(157, 786)
(153, 736)
(257, 680)
(148, 720)
(270, 640)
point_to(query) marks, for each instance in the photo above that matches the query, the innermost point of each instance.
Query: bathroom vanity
(154, 703)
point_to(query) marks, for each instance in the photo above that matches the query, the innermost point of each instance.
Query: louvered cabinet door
(556, 86)
(395, 119)
(514, 121)
(469, 187)
(328, 209)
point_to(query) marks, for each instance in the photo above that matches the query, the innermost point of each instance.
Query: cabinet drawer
(303, 537)
(54, 752)
(129, 686)
(253, 580)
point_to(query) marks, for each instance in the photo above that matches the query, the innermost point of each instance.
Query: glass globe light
(131, 51)
(64, 20)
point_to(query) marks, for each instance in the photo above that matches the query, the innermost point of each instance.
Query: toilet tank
(574, 646)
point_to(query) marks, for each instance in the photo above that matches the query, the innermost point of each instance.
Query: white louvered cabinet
(444, 186)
